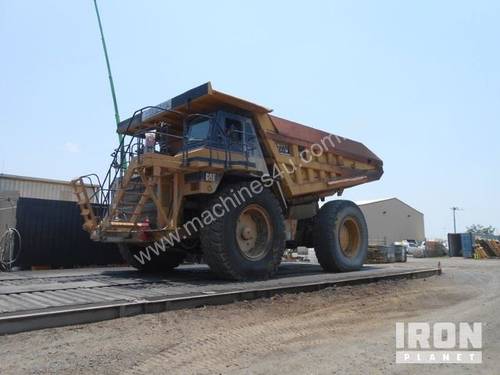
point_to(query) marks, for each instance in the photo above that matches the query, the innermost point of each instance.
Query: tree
(480, 229)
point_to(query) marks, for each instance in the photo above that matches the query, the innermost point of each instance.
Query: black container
(52, 235)
(454, 245)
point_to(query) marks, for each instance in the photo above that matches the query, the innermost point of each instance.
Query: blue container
(467, 248)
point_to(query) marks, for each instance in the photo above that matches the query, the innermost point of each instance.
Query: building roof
(41, 188)
(373, 201)
(369, 201)
(36, 179)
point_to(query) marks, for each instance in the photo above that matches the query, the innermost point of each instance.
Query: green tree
(480, 229)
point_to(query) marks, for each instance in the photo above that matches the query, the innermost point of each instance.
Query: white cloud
(74, 148)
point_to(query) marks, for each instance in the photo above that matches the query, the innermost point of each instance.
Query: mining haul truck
(211, 176)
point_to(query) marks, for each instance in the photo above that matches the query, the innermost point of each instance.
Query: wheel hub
(247, 233)
(349, 237)
(253, 232)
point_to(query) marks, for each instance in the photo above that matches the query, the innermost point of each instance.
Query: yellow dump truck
(219, 177)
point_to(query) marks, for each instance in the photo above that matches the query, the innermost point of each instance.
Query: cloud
(74, 148)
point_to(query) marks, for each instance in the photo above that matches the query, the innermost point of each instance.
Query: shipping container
(454, 245)
(52, 236)
(467, 245)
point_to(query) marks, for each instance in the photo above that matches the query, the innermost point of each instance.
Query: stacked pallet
(479, 252)
(487, 249)
(496, 247)
(380, 254)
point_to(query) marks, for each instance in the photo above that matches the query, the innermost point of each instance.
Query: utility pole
(111, 84)
(455, 209)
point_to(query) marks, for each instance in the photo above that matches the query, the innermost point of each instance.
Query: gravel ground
(348, 330)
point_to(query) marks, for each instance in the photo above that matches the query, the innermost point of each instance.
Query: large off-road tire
(340, 236)
(166, 261)
(246, 242)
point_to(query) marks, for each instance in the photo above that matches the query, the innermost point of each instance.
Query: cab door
(234, 129)
(242, 138)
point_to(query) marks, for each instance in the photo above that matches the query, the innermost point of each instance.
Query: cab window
(234, 130)
(198, 131)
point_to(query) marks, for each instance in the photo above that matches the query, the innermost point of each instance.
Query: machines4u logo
(442, 342)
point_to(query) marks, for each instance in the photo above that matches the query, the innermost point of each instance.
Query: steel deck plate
(41, 299)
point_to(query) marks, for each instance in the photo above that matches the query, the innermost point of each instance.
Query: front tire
(248, 240)
(340, 236)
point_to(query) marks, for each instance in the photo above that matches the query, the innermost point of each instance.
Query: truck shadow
(200, 274)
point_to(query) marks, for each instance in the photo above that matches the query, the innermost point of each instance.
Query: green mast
(111, 84)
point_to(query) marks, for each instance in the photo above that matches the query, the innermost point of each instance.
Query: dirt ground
(348, 330)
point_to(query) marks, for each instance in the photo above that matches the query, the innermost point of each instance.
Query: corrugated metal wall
(38, 188)
(52, 235)
(392, 221)
(8, 204)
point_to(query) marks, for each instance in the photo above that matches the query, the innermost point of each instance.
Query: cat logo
(210, 177)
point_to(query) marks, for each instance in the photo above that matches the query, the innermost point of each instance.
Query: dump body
(315, 162)
(208, 138)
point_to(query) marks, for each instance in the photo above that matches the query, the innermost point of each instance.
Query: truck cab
(225, 131)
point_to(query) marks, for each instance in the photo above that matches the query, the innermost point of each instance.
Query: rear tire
(340, 236)
(247, 241)
(166, 261)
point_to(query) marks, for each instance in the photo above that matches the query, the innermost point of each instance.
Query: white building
(391, 220)
(40, 188)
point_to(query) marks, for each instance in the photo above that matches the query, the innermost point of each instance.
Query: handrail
(126, 152)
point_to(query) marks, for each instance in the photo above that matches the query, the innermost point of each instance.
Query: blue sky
(418, 82)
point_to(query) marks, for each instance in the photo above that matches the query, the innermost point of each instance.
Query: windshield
(199, 131)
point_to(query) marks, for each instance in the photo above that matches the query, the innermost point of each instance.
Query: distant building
(391, 220)
(40, 188)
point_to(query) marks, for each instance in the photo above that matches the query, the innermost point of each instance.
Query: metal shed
(392, 220)
(39, 188)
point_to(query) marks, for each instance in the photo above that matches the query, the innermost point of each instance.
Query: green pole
(110, 76)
